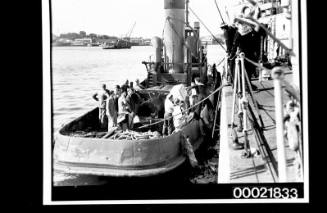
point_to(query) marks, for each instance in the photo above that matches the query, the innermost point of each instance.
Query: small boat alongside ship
(82, 147)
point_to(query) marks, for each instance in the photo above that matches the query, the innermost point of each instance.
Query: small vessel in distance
(119, 44)
(123, 43)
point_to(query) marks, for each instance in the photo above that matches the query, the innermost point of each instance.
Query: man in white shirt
(111, 111)
(101, 97)
(123, 110)
(169, 109)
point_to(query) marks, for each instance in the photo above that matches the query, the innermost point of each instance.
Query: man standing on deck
(206, 119)
(123, 110)
(217, 83)
(101, 97)
(202, 94)
(229, 35)
(248, 40)
(169, 109)
(117, 95)
(133, 101)
(111, 111)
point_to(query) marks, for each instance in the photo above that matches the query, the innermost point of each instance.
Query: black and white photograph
(175, 101)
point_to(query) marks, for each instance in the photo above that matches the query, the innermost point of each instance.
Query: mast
(187, 13)
(294, 4)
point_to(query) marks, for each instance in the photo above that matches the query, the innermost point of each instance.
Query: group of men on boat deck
(178, 110)
(117, 108)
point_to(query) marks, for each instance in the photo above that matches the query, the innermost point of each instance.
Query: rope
(163, 30)
(216, 114)
(220, 62)
(186, 25)
(257, 64)
(272, 36)
(288, 87)
(179, 36)
(219, 12)
(195, 105)
(263, 152)
(207, 29)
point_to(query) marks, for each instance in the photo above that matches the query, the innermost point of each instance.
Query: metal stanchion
(239, 94)
(244, 103)
(236, 73)
(235, 94)
(278, 76)
(255, 103)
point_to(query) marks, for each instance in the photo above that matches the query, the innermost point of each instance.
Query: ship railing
(289, 116)
(187, 65)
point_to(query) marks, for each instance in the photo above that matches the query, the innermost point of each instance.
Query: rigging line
(260, 145)
(255, 170)
(272, 36)
(186, 25)
(195, 105)
(221, 61)
(207, 29)
(163, 30)
(219, 11)
(288, 87)
(227, 13)
(216, 113)
(179, 36)
(257, 64)
(263, 140)
(195, 34)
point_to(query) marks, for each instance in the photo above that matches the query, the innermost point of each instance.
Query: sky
(116, 17)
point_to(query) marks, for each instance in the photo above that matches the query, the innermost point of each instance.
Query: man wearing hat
(248, 39)
(229, 33)
(203, 92)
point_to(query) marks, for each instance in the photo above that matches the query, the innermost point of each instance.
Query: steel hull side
(106, 157)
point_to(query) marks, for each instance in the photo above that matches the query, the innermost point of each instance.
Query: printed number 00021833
(265, 192)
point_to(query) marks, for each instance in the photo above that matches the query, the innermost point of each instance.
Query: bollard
(278, 76)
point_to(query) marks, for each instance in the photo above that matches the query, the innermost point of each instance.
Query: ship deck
(232, 167)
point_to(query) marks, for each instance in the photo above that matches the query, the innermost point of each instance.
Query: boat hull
(132, 158)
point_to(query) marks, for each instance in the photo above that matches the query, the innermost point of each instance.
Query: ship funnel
(157, 45)
(174, 34)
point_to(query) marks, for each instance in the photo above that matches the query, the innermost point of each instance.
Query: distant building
(82, 33)
(140, 41)
(58, 42)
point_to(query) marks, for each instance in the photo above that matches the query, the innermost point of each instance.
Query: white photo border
(47, 127)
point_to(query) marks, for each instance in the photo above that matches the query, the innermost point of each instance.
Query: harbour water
(78, 72)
